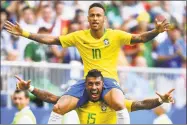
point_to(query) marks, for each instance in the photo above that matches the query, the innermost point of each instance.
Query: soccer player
(99, 48)
(21, 101)
(96, 111)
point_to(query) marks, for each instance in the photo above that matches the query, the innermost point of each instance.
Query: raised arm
(147, 36)
(152, 103)
(45, 96)
(145, 104)
(15, 29)
(41, 94)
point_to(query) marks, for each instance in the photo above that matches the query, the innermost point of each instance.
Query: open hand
(14, 29)
(162, 26)
(167, 98)
(21, 84)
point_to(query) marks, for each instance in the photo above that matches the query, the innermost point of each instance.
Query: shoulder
(81, 32)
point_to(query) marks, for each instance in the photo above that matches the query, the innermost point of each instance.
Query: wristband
(160, 100)
(31, 88)
(25, 34)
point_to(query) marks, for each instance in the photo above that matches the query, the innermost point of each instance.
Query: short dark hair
(97, 5)
(94, 73)
(6, 12)
(27, 8)
(26, 93)
(57, 3)
(43, 29)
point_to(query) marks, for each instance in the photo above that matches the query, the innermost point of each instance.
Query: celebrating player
(99, 48)
(96, 111)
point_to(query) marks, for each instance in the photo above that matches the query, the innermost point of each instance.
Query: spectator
(13, 48)
(46, 19)
(113, 14)
(135, 85)
(162, 117)
(80, 18)
(25, 115)
(60, 25)
(133, 51)
(171, 53)
(28, 22)
(5, 36)
(35, 52)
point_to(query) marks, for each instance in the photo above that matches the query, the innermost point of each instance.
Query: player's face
(20, 101)
(94, 86)
(96, 18)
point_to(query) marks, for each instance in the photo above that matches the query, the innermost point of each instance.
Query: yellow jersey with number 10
(99, 113)
(100, 53)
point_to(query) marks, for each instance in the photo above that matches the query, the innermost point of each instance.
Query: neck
(22, 108)
(97, 33)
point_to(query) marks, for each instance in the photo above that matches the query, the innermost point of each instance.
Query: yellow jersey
(99, 113)
(100, 54)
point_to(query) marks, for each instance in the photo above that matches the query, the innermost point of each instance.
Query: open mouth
(95, 24)
(94, 93)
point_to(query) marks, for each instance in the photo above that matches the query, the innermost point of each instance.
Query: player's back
(100, 53)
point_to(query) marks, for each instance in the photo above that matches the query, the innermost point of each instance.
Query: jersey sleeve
(128, 104)
(123, 37)
(68, 40)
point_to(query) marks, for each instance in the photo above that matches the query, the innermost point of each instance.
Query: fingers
(28, 81)
(163, 21)
(7, 26)
(9, 23)
(171, 99)
(17, 86)
(158, 94)
(17, 24)
(171, 91)
(156, 21)
(166, 24)
(18, 78)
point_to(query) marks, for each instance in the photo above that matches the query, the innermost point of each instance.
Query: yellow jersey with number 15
(100, 53)
(99, 113)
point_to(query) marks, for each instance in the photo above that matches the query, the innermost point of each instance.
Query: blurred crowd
(62, 17)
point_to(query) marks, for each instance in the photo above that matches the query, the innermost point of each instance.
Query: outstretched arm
(41, 94)
(152, 103)
(15, 29)
(45, 96)
(147, 36)
(145, 104)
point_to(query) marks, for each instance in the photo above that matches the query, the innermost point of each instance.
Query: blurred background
(158, 65)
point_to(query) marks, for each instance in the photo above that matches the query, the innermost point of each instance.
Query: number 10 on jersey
(96, 53)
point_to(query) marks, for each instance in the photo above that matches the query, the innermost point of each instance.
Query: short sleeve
(123, 37)
(128, 104)
(68, 40)
(28, 51)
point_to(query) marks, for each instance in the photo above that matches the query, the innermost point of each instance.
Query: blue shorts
(79, 91)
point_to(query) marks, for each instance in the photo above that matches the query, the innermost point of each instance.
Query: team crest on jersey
(106, 42)
(103, 106)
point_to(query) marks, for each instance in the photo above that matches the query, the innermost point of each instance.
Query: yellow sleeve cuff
(25, 34)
